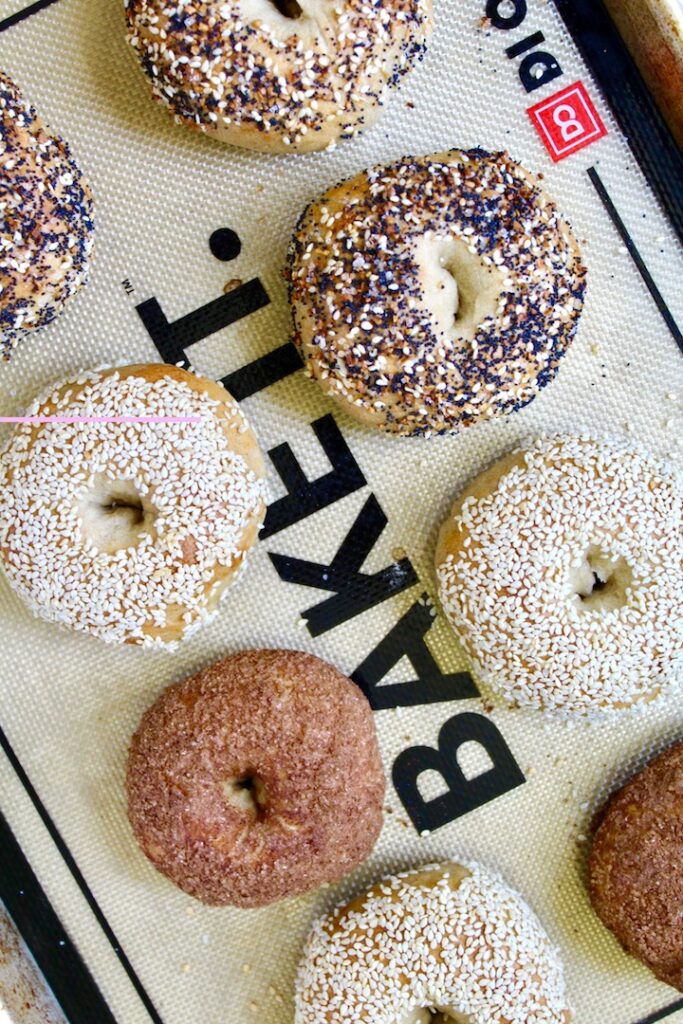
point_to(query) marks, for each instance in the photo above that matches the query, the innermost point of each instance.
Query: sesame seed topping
(572, 514)
(121, 529)
(469, 947)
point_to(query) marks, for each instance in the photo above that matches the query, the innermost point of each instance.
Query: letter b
(463, 795)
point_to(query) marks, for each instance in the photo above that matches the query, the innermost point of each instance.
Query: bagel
(46, 221)
(635, 867)
(277, 75)
(130, 531)
(448, 937)
(256, 779)
(435, 292)
(561, 569)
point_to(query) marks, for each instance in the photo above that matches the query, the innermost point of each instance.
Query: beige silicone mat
(69, 704)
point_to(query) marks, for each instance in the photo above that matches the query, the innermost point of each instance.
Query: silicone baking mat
(179, 217)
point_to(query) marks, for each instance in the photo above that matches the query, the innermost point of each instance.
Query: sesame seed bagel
(561, 568)
(448, 937)
(277, 75)
(636, 866)
(130, 531)
(256, 779)
(46, 220)
(435, 292)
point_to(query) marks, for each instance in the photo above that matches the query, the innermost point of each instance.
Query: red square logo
(567, 121)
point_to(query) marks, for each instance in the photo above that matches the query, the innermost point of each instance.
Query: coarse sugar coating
(451, 937)
(435, 292)
(636, 866)
(256, 779)
(561, 569)
(130, 531)
(280, 76)
(46, 220)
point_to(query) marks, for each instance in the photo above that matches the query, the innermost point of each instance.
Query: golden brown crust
(449, 936)
(421, 878)
(636, 866)
(243, 443)
(452, 534)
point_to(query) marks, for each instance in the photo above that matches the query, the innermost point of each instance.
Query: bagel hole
(602, 581)
(247, 794)
(115, 515)
(431, 1015)
(460, 290)
(132, 509)
(288, 8)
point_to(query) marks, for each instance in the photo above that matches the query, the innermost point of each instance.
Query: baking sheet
(70, 703)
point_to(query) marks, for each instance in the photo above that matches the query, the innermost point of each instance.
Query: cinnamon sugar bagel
(46, 220)
(636, 866)
(451, 938)
(561, 568)
(256, 779)
(435, 292)
(130, 531)
(277, 75)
